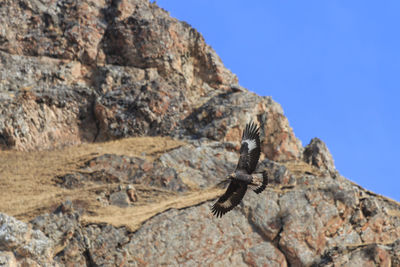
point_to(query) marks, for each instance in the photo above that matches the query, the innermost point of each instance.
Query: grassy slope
(29, 189)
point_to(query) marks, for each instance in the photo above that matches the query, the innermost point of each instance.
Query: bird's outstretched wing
(250, 148)
(230, 199)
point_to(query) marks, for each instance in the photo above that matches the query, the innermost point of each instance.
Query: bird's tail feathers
(258, 184)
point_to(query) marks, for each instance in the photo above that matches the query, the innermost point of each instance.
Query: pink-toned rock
(7, 259)
(280, 143)
(162, 71)
(316, 153)
(278, 140)
(208, 241)
(59, 51)
(43, 126)
(33, 28)
(26, 245)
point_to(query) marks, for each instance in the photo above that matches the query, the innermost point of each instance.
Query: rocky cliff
(116, 123)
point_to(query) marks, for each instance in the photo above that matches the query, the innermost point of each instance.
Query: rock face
(98, 70)
(305, 217)
(75, 72)
(316, 153)
(20, 243)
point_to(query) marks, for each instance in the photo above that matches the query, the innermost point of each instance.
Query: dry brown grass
(26, 178)
(133, 217)
(28, 186)
(301, 167)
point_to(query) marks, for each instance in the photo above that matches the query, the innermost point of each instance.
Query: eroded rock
(26, 245)
(222, 118)
(317, 154)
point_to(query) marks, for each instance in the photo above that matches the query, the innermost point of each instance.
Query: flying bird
(242, 177)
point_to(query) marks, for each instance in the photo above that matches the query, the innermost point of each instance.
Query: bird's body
(243, 176)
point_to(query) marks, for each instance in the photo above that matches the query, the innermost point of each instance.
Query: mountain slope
(117, 122)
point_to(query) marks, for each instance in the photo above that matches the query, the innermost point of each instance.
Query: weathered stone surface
(120, 199)
(63, 59)
(305, 223)
(278, 174)
(193, 166)
(7, 259)
(50, 28)
(134, 102)
(110, 168)
(223, 118)
(317, 154)
(265, 215)
(43, 103)
(29, 122)
(77, 245)
(105, 246)
(198, 165)
(149, 38)
(368, 255)
(25, 244)
(186, 240)
(86, 71)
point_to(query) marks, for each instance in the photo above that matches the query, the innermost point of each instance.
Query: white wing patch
(251, 144)
(226, 204)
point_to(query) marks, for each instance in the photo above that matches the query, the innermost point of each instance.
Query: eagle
(242, 177)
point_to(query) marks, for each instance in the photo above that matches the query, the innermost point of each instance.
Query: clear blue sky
(334, 66)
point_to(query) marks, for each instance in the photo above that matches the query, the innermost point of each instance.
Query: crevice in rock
(88, 258)
(279, 247)
(95, 119)
(325, 259)
(276, 241)
(88, 124)
(3, 141)
(257, 230)
(86, 244)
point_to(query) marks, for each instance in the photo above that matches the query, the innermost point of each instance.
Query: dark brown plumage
(239, 180)
(250, 148)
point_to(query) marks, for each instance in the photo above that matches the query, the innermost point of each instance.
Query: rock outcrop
(20, 243)
(316, 153)
(89, 71)
(86, 72)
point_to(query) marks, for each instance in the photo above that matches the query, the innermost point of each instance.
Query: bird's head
(232, 175)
